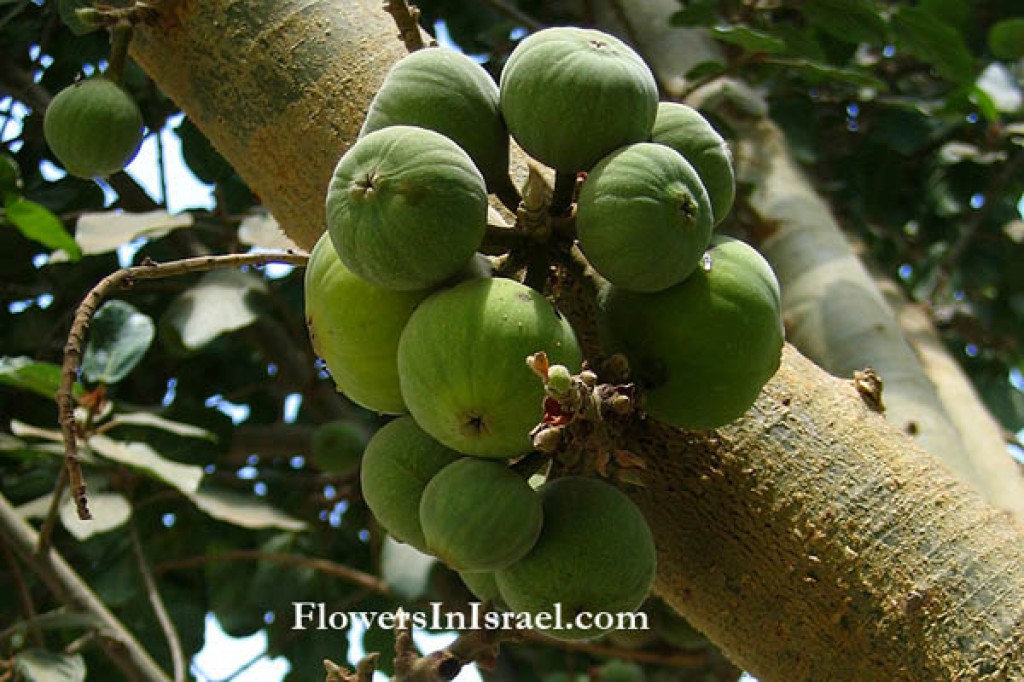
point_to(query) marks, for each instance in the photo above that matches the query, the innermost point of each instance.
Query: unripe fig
(354, 327)
(338, 447)
(703, 349)
(479, 515)
(398, 463)
(93, 127)
(462, 364)
(572, 95)
(406, 208)
(483, 586)
(449, 93)
(644, 218)
(595, 554)
(684, 129)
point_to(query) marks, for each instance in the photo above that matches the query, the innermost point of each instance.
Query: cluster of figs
(410, 320)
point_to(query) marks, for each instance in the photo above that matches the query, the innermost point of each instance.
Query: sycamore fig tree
(549, 380)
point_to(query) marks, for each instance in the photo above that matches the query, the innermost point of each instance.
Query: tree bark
(810, 540)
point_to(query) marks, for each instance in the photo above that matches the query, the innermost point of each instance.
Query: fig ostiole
(406, 208)
(644, 217)
(461, 364)
(685, 129)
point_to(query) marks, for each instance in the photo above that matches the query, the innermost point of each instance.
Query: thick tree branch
(62, 580)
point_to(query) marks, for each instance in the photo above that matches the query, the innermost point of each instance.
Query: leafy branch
(73, 350)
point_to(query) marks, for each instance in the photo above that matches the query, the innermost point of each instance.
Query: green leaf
(119, 338)
(405, 569)
(61, 619)
(705, 70)
(218, 304)
(37, 223)
(243, 510)
(39, 665)
(817, 72)
(155, 421)
(696, 13)
(935, 42)
(851, 21)
(42, 378)
(1006, 39)
(140, 456)
(109, 512)
(749, 39)
(69, 15)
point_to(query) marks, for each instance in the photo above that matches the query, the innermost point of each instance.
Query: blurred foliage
(909, 117)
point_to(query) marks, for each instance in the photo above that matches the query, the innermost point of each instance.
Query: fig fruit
(462, 364)
(595, 554)
(572, 95)
(703, 349)
(483, 586)
(449, 93)
(479, 515)
(406, 208)
(643, 217)
(398, 463)
(354, 327)
(684, 129)
(337, 447)
(93, 127)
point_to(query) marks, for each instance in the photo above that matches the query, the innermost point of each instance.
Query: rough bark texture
(837, 316)
(810, 540)
(279, 86)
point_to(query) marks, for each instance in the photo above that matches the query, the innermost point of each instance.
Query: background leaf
(405, 568)
(109, 511)
(243, 510)
(749, 39)
(42, 378)
(36, 222)
(119, 337)
(851, 21)
(39, 665)
(140, 456)
(218, 304)
(935, 42)
(1006, 39)
(105, 231)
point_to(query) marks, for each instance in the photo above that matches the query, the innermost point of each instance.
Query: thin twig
(124, 279)
(407, 18)
(27, 605)
(64, 583)
(50, 522)
(515, 14)
(365, 580)
(159, 608)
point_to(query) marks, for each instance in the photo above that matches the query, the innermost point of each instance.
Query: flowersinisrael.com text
(307, 615)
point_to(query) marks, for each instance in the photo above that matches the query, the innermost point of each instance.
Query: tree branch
(407, 18)
(159, 608)
(23, 596)
(356, 577)
(62, 580)
(125, 279)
